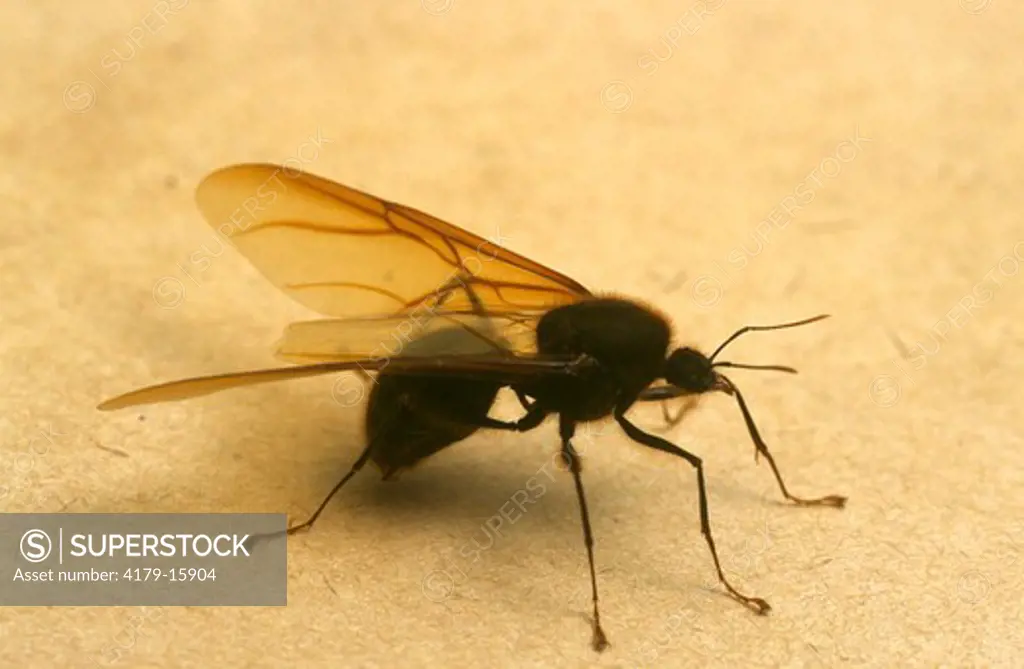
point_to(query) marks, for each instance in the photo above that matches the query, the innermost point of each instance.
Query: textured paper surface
(639, 147)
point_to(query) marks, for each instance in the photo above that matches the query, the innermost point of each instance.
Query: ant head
(694, 372)
(691, 370)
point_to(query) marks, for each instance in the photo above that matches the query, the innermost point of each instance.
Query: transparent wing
(454, 303)
(415, 334)
(345, 253)
(500, 367)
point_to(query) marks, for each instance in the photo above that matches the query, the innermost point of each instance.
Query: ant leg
(535, 415)
(837, 501)
(664, 394)
(308, 523)
(572, 460)
(756, 604)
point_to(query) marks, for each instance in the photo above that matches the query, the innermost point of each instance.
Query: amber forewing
(345, 253)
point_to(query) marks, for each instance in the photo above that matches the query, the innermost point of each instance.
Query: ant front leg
(665, 393)
(688, 405)
(761, 448)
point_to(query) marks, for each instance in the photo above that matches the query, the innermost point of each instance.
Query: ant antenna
(769, 368)
(760, 328)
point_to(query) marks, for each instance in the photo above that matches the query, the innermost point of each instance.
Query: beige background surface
(638, 147)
